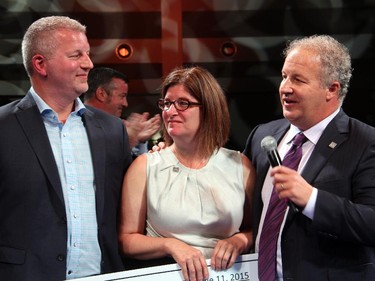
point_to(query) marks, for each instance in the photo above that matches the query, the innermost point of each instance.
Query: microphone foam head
(268, 143)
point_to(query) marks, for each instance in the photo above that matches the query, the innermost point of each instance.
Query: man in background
(108, 90)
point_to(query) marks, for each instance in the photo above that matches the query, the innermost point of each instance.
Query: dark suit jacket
(33, 228)
(338, 244)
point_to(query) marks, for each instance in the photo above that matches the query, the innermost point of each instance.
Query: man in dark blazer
(331, 234)
(37, 231)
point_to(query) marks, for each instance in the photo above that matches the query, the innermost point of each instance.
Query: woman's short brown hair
(214, 119)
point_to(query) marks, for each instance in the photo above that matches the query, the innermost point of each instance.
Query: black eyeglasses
(179, 104)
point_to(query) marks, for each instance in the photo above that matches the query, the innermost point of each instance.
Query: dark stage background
(240, 42)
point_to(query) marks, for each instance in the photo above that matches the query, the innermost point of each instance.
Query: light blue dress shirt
(71, 150)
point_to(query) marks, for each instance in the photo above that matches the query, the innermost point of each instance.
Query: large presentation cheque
(245, 269)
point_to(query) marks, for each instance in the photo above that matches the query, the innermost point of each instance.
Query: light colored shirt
(72, 154)
(313, 134)
(196, 206)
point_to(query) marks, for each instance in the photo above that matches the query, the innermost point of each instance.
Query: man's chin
(288, 115)
(118, 113)
(83, 88)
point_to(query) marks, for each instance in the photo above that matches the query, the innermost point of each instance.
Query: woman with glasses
(190, 201)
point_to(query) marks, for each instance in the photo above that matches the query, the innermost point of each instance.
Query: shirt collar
(79, 107)
(313, 134)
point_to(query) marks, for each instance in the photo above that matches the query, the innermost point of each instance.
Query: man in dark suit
(61, 165)
(330, 234)
(108, 91)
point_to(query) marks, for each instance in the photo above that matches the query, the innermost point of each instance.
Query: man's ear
(39, 64)
(101, 94)
(333, 91)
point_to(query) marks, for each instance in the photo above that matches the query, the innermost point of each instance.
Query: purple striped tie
(274, 217)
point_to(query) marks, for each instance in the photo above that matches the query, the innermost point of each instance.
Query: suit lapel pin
(332, 145)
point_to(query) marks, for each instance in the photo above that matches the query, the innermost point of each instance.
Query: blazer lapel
(333, 136)
(96, 138)
(32, 124)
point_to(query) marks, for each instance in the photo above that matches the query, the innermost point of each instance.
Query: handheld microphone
(269, 145)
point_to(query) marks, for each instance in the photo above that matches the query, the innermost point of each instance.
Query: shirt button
(60, 257)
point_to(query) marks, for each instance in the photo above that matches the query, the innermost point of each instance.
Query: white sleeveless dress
(197, 206)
